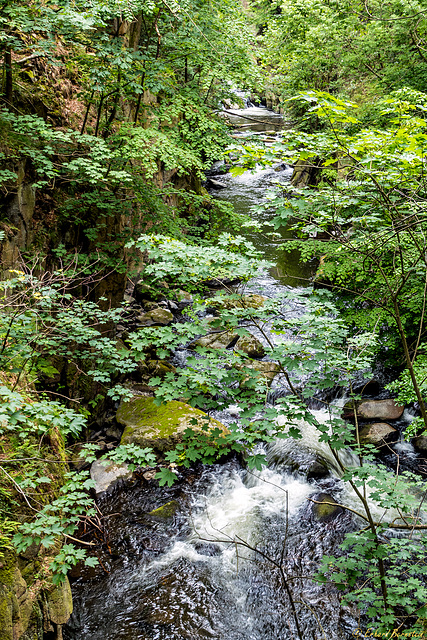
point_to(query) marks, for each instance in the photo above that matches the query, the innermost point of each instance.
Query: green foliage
(192, 265)
(43, 329)
(342, 46)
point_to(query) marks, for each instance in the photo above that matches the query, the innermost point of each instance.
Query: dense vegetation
(110, 116)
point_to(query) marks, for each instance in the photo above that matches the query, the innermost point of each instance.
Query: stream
(188, 572)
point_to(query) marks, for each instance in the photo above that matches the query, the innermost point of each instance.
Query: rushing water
(192, 573)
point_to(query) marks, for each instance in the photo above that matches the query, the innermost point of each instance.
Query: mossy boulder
(23, 609)
(150, 368)
(217, 340)
(145, 291)
(265, 369)
(60, 603)
(183, 296)
(155, 317)
(324, 507)
(251, 346)
(162, 428)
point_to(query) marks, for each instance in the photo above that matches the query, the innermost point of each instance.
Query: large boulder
(107, 474)
(161, 427)
(374, 409)
(379, 434)
(216, 340)
(155, 317)
(251, 346)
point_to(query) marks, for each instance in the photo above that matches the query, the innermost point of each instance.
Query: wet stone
(218, 340)
(378, 434)
(374, 409)
(151, 368)
(166, 511)
(106, 475)
(420, 444)
(250, 301)
(145, 291)
(317, 470)
(269, 370)
(325, 508)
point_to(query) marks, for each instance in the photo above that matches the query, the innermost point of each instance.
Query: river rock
(166, 511)
(266, 369)
(215, 184)
(378, 434)
(251, 301)
(325, 507)
(148, 425)
(372, 409)
(150, 306)
(251, 346)
(151, 368)
(157, 316)
(183, 296)
(218, 340)
(106, 474)
(420, 444)
(316, 470)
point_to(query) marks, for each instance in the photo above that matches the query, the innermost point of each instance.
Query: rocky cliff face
(30, 609)
(17, 228)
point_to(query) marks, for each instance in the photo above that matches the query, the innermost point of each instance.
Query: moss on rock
(160, 427)
(251, 346)
(60, 603)
(325, 508)
(166, 511)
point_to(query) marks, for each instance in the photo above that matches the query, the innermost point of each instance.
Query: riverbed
(233, 556)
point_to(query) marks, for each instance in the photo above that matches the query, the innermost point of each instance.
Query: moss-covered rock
(183, 296)
(60, 603)
(155, 317)
(266, 369)
(216, 340)
(23, 611)
(251, 346)
(166, 511)
(145, 291)
(325, 508)
(148, 425)
(150, 368)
